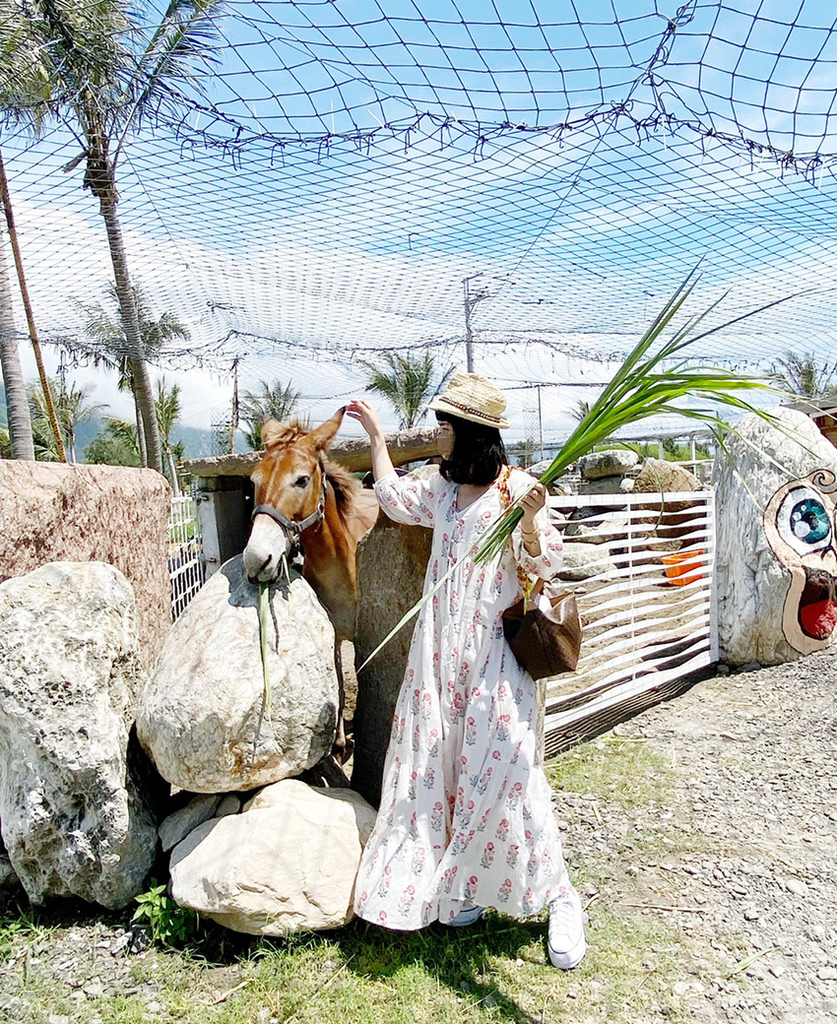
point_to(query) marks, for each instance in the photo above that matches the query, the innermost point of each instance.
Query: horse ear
(272, 431)
(325, 433)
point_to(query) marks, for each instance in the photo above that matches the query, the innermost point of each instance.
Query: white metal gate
(185, 559)
(646, 603)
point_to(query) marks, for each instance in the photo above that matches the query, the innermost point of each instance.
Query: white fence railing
(642, 567)
(185, 560)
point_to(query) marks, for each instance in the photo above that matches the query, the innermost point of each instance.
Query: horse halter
(292, 525)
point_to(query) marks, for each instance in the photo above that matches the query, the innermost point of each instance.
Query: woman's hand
(531, 503)
(366, 414)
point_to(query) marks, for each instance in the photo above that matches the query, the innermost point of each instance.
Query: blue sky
(304, 257)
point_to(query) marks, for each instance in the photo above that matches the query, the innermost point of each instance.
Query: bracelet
(534, 535)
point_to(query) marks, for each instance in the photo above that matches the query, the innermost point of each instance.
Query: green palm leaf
(647, 384)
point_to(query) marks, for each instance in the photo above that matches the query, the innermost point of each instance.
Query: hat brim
(440, 404)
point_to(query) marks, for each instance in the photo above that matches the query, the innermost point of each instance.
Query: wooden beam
(354, 454)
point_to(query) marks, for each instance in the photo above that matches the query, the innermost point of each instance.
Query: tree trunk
(130, 325)
(17, 403)
(30, 316)
(175, 486)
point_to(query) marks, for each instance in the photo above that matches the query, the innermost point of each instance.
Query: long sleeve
(546, 564)
(409, 500)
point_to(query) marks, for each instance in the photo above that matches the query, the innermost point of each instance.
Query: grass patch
(494, 972)
(627, 773)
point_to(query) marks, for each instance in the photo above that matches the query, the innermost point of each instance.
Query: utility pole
(540, 421)
(470, 302)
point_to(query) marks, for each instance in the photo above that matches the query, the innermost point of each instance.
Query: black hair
(478, 452)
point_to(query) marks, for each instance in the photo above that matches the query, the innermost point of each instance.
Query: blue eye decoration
(804, 520)
(809, 521)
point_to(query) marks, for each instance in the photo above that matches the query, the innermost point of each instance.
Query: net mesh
(345, 165)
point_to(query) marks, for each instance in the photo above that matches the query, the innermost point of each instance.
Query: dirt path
(749, 844)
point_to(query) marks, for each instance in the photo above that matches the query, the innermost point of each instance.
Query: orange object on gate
(682, 567)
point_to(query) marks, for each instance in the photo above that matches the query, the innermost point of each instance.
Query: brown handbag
(545, 643)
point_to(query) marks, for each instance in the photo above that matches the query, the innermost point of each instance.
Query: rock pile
(80, 799)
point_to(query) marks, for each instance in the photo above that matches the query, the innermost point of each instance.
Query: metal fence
(185, 559)
(643, 566)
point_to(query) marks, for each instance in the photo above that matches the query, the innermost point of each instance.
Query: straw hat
(474, 398)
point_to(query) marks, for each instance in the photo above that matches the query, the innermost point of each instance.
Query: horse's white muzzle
(267, 545)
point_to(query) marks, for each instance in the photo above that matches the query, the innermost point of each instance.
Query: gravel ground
(741, 865)
(757, 798)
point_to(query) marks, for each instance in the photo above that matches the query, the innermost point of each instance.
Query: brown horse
(301, 496)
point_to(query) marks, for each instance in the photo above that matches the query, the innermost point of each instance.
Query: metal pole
(540, 421)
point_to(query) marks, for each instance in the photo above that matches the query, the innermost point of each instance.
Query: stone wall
(53, 512)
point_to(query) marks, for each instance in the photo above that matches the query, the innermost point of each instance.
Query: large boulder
(54, 512)
(287, 863)
(777, 571)
(73, 782)
(207, 719)
(613, 462)
(669, 477)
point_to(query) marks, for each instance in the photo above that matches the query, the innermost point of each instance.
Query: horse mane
(344, 485)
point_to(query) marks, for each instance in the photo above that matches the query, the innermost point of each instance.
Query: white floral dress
(466, 815)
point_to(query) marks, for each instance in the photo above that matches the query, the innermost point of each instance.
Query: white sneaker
(566, 941)
(467, 915)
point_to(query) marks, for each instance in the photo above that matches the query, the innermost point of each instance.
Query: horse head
(290, 492)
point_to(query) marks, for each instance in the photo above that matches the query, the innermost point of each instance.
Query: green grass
(495, 971)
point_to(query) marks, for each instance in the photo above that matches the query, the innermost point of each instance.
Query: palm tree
(582, 408)
(804, 377)
(106, 332)
(273, 401)
(168, 413)
(73, 406)
(115, 445)
(21, 442)
(407, 382)
(98, 68)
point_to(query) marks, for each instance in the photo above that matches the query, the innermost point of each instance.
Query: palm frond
(646, 385)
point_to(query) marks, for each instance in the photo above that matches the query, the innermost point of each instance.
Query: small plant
(168, 922)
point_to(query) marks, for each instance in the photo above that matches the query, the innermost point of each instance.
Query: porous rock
(8, 878)
(206, 717)
(614, 462)
(73, 782)
(287, 863)
(752, 583)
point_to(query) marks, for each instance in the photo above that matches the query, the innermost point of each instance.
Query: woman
(466, 819)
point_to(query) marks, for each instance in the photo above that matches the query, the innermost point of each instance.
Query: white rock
(72, 803)
(758, 615)
(181, 822)
(287, 863)
(585, 561)
(203, 718)
(614, 462)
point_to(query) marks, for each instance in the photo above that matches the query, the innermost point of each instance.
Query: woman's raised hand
(366, 414)
(531, 503)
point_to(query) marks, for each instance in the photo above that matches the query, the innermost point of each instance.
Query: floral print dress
(466, 814)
